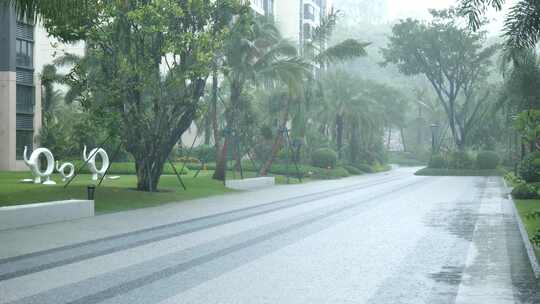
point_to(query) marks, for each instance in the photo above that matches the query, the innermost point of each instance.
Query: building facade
(20, 106)
(297, 19)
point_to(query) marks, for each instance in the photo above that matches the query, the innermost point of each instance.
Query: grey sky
(419, 9)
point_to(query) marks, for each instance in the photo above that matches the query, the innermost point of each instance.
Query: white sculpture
(91, 160)
(33, 164)
(62, 170)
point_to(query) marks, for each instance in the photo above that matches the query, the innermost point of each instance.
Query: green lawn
(112, 196)
(525, 207)
(458, 172)
(115, 195)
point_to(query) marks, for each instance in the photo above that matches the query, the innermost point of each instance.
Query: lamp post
(91, 189)
(434, 128)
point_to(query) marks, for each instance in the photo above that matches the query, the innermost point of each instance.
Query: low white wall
(42, 213)
(250, 183)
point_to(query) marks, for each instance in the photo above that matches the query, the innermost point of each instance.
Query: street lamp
(434, 128)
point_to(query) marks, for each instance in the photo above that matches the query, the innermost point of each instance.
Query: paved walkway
(385, 238)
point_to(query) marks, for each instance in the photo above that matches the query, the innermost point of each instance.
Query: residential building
(20, 98)
(298, 18)
(262, 7)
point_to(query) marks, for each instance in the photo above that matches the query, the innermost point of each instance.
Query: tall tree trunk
(148, 172)
(215, 127)
(265, 169)
(339, 134)
(354, 142)
(219, 173)
(236, 92)
(389, 137)
(403, 139)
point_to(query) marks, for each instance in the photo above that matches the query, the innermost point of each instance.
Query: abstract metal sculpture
(33, 164)
(62, 170)
(91, 161)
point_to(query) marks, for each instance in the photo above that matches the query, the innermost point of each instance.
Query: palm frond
(473, 10)
(346, 50)
(522, 25)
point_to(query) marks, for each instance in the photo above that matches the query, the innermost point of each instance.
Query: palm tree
(315, 50)
(255, 53)
(522, 23)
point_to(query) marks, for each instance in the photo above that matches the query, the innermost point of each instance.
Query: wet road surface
(385, 238)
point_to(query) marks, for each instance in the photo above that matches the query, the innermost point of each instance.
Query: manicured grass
(112, 196)
(458, 172)
(525, 207)
(117, 195)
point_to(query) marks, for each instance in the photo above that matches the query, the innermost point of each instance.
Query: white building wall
(287, 16)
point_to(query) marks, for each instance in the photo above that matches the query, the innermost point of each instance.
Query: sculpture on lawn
(62, 170)
(91, 161)
(33, 164)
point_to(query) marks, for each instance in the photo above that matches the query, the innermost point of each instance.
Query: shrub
(529, 169)
(324, 158)
(378, 167)
(128, 168)
(353, 170)
(365, 168)
(437, 162)
(487, 160)
(512, 179)
(204, 153)
(320, 173)
(460, 160)
(525, 191)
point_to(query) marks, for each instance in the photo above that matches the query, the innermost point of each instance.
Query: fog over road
(383, 238)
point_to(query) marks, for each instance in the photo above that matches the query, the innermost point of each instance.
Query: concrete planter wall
(42, 213)
(250, 183)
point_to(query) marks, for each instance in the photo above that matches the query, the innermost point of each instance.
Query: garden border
(20, 216)
(524, 235)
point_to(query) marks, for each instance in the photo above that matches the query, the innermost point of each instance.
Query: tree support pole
(177, 174)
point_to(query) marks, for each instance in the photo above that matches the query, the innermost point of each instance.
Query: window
(25, 99)
(309, 12)
(23, 138)
(307, 31)
(25, 53)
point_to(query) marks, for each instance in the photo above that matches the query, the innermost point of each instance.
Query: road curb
(524, 235)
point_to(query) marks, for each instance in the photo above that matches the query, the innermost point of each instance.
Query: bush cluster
(129, 168)
(365, 168)
(487, 160)
(324, 158)
(460, 160)
(437, 162)
(353, 170)
(525, 191)
(529, 169)
(205, 153)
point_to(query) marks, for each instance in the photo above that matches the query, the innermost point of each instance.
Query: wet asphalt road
(386, 238)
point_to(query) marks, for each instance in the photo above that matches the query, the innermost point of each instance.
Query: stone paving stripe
(35, 262)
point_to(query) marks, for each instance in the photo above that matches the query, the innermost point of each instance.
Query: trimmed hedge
(353, 170)
(529, 169)
(487, 160)
(457, 172)
(437, 162)
(129, 168)
(525, 191)
(365, 168)
(461, 160)
(324, 158)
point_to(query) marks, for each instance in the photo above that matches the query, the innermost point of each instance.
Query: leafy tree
(50, 96)
(451, 57)
(152, 62)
